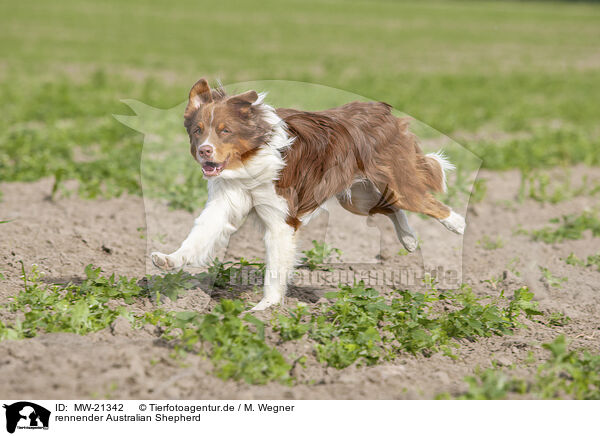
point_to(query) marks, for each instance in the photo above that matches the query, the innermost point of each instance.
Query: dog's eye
(225, 130)
(198, 130)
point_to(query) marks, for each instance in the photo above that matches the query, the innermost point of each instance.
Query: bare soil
(65, 235)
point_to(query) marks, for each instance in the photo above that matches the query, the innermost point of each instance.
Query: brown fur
(335, 146)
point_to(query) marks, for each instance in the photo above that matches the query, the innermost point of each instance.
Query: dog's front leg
(281, 252)
(220, 218)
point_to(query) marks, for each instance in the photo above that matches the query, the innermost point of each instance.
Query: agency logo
(27, 416)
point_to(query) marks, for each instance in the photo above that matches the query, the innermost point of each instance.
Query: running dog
(283, 164)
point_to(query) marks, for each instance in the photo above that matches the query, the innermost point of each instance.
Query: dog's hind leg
(429, 205)
(363, 198)
(405, 233)
(408, 189)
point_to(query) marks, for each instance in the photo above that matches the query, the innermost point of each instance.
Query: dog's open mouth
(211, 169)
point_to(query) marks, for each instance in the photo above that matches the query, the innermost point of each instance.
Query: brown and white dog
(283, 164)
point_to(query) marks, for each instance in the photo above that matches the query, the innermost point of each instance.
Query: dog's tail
(434, 167)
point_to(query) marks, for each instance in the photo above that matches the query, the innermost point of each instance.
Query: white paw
(166, 261)
(455, 223)
(410, 242)
(265, 304)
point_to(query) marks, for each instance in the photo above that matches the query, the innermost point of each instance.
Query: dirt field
(65, 235)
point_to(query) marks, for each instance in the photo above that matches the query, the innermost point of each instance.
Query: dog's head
(224, 130)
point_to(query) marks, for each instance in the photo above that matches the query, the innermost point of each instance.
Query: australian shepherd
(283, 164)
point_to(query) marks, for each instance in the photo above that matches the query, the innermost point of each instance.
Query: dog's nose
(205, 151)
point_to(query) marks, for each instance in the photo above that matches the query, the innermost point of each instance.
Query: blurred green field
(516, 83)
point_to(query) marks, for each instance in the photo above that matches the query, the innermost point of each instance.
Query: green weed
(491, 244)
(554, 281)
(543, 149)
(539, 186)
(219, 274)
(592, 260)
(223, 274)
(235, 342)
(566, 373)
(572, 259)
(558, 319)
(492, 384)
(72, 308)
(570, 227)
(319, 254)
(361, 326)
(291, 327)
(171, 285)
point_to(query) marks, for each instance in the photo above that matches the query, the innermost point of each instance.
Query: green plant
(554, 281)
(223, 274)
(291, 327)
(522, 301)
(319, 254)
(77, 308)
(592, 260)
(171, 285)
(491, 384)
(565, 374)
(543, 188)
(568, 372)
(491, 244)
(557, 319)
(572, 259)
(361, 326)
(234, 341)
(571, 227)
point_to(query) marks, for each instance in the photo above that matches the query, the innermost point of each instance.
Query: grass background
(516, 83)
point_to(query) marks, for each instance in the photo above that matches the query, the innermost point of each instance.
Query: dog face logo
(26, 415)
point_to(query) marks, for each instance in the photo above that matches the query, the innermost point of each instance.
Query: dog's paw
(166, 261)
(409, 242)
(264, 304)
(455, 223)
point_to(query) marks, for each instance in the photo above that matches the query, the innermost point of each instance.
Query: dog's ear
(199, 94)
(243, 102)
